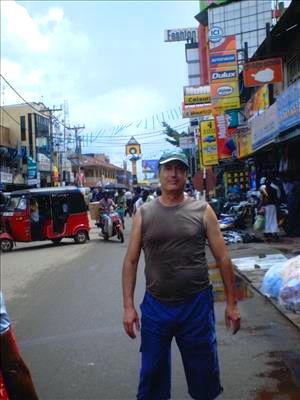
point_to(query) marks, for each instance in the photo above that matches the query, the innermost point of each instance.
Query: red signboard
(258, 73)
(226, 143)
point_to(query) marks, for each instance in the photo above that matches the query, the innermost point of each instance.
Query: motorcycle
(235, 217)
(111, 225)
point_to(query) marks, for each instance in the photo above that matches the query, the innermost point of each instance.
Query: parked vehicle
(236, 216)
(111, 225)
(44, 214)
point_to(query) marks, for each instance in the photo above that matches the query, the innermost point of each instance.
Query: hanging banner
(224, 141)
(244, 142)
(257, 73)
(258, 103)
(208, 143)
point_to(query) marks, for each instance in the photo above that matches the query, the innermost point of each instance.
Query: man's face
(173, 176)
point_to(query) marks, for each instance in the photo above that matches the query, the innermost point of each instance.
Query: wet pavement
(281, 378)
(285, 372)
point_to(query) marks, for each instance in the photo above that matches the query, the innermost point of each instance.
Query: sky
(107, 59)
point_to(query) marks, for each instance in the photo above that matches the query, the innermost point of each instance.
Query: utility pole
(77, 145)
(51, 111)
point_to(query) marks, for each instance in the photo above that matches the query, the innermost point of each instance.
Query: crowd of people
(127, 202)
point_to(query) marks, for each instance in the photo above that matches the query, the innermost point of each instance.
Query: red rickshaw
(44, 214)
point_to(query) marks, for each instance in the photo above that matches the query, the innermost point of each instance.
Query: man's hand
(131, 322)
(233, 318)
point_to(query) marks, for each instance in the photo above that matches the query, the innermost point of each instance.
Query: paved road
(65, 303)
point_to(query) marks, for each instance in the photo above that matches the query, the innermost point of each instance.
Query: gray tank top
(173, 240)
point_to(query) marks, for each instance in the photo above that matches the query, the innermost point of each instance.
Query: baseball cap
(173, 155)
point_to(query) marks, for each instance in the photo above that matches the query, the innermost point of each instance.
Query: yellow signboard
(220, 105)
(244, 144)
(197, 98)
(209, 149)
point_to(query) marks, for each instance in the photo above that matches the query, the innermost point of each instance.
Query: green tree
(173, 136)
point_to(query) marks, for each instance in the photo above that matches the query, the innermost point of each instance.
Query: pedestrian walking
(269, 201)
(121, 205)
(172, 231)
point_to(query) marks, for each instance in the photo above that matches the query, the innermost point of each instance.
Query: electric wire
(68, 128)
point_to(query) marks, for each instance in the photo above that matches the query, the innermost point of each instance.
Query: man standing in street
(172, 231)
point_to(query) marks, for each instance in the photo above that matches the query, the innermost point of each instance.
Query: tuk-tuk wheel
(6, 245)
(81, 237)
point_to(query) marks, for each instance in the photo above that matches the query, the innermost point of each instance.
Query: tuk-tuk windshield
(17, 203)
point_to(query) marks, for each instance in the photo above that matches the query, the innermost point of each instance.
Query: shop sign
(222, 59)
(31, 168)
(223, 74)
(288, 107)
(33, 182)
(224, 54)
(226, 144)
(257, 73)
(187, 142)
(181, 34)
(265, 127)
(196, 94)
(44, 162)
(258, 103)
(208, 145)
(220, 105)
(197, 99)
(244, 143)
(215, 34)
(196, 111)
(6, 177)
(232, 118)
(225, 89)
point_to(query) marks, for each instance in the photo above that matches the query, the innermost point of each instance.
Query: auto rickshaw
(44, 214)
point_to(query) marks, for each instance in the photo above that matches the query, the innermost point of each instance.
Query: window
(23, 128)
(17, 203)
(293, 69)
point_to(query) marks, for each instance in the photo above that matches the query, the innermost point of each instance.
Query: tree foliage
(173, 136)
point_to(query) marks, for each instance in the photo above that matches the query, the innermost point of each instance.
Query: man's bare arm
(130, 264)
(223, 261)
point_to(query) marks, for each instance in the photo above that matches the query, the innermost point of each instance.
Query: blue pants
(193, 326)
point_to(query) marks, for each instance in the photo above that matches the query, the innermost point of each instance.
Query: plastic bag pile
(283, 284)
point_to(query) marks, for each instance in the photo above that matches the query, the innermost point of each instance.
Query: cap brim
(174, 159)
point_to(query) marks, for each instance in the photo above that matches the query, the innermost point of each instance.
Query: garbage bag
(272, 281)
(259, 223)
(289, 295)
(291, 269)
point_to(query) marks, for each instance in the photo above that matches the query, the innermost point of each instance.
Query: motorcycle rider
(106, 204)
